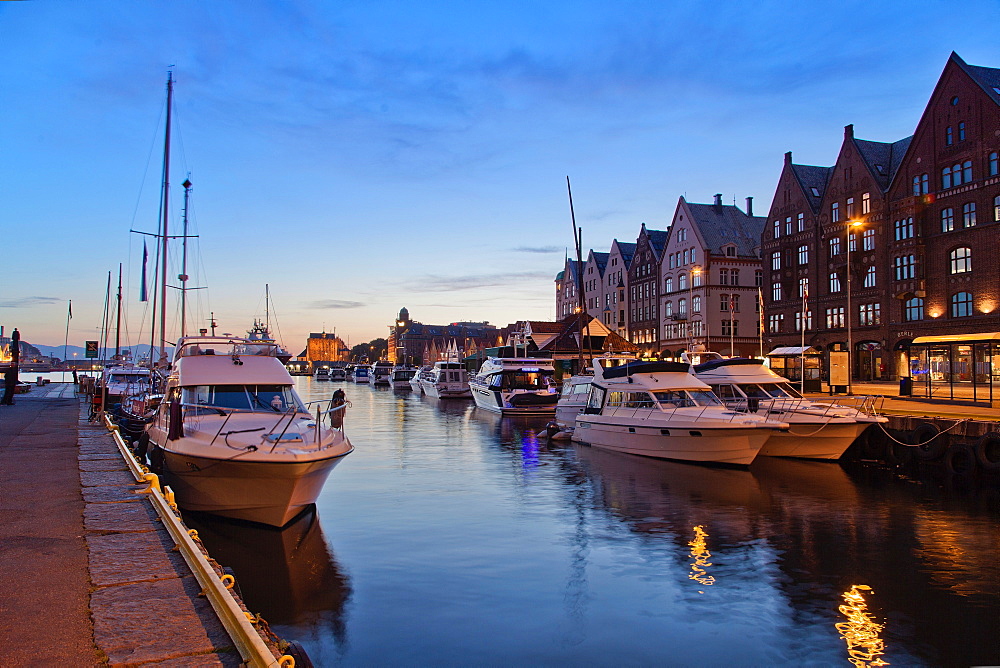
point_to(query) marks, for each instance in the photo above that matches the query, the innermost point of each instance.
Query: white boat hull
(689, 443)
(450, 391)
(514, 403)
(813, 441)
(266, 492)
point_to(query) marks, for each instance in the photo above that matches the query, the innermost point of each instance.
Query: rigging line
(145, 172)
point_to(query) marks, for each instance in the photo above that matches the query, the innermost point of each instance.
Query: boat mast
(184, 259)
(165, 220)
(267, 312)
(578, 240)
(118, 323)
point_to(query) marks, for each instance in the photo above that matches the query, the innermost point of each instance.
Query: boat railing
(284, 422)
(869, 405)
(765, 406)
(692, 413)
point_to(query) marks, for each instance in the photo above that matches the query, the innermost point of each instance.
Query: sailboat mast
(578, 279)
(118, 322)
(184, 259)
(165, 220)
(267, 312)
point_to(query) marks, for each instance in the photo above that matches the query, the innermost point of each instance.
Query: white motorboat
(232, 437)
(360, 374)
(416, 376)
(576, 389)
(123, 381)
(817, 430)
(446, 380)
(322, 373)
(380, 372)
(399, 378)
(338, 373)
(515, 386)
(659, 409)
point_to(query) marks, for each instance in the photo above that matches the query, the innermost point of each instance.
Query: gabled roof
(563, 336)
(988, 78)
(658, 241)
(627, 250)
(883, 159)
(813, 180)
(601, 260)
(720, 225)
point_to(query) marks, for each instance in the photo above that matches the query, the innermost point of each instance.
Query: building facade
(643, 290)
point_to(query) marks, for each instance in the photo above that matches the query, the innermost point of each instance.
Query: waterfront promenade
(89, 575)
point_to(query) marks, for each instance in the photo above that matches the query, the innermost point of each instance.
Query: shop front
(963, 367)
(788, 361)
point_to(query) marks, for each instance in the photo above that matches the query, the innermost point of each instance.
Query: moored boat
(659, 409)
(399, 377)
(322, 373)
(515, 385)
(232, 437)
(446, 380)
(380, 372)
(359, 374)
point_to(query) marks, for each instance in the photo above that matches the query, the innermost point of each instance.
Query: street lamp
(695, 271)
(851, 224)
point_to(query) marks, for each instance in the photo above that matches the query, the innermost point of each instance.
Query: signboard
(91, 349)
(838, 368)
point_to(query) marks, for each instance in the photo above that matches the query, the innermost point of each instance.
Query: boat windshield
(769, 391)
(523, 380)
(683, 398)
(256, 398)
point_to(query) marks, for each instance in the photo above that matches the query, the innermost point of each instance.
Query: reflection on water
(471, 540)
(861, 633)
(288, 575)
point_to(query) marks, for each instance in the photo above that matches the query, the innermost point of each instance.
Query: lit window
(996, 208)
(834, 282)
(905, 267)
(788, 225)
(960, 260)
(969, 214)
(947, 219)
(949, 136)
(803, 287)
(777, 229)
(801, 222)
(835, 212)
(776, 292)
(835, 317)
(682, 282)
(776, 261)
(803, 254)
(868, 240)
(869, 281)
(850, 208)
(869, 314)
(695, 279)
(775, 323)
(798, 321)
(866, 204)
(961, 305)
(834, 246)
(961, 131)
(913, 309)
(668, 284)
(994, 163)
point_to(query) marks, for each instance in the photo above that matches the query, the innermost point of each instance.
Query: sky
(359, 157)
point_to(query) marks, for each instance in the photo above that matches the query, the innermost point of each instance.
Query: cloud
(431, 283)
(334, 303)
(28, 302)
(537, 249)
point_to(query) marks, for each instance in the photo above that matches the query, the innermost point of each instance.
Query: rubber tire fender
(899, 453)
(156, 459)
(988, 451)
(142, 446)
(929, 441)
(873, 443)
(960, 459)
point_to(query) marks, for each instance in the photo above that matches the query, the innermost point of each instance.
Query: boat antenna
(184, 258)
(578, 240)
(165, 220)
(118, 321)
(267, 312)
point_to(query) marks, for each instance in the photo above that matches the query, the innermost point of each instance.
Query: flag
(70, 309)
(142, 288)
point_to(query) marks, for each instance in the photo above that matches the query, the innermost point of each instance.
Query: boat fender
(988, 451)
(899, 453)
(960, 459)
(929, 442)
(872, 443)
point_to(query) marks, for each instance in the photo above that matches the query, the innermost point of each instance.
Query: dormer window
(815, 191)
(730, 250)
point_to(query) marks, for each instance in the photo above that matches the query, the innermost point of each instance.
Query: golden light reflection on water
(701, 556)
(860, 631)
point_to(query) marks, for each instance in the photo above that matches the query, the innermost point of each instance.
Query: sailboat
(261, 329)
(231, 437)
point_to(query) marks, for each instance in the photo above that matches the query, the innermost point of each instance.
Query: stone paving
(145, 606)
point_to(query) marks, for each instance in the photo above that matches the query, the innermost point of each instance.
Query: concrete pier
(89, 574)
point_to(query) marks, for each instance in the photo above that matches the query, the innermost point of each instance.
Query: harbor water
(452, 536)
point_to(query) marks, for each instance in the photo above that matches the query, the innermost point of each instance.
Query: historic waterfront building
(593, 283)
(896, 240)
(568, 286)
(643, 290)
(412, 342)
(615, 287)
(710, 273)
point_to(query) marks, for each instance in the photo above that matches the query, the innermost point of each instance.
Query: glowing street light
(695, 272)
(851, 225)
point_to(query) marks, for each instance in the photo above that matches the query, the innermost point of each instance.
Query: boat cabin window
(682, 398)
(258, 398)
(727, 392)
(769, 391)
(630, 400)
(522, 380)
(578, 389)
(595, 400)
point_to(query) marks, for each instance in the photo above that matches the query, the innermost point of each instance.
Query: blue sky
(359, 157)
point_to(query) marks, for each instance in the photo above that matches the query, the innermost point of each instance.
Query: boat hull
(689, 443)
(270, 493)
(811, 441)
(511, 403)
(445, 392)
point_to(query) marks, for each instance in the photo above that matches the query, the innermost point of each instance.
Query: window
(730, 251)
(905, 267)
(695, 278)
(869, 314)
(776, 292)
(776, 261)
(803, 254)
(852, 241)
(834, 282)
(947, 219)
(815, 191)
(777, 229)
(801, 222)
(723, 277)
(668, 309)
(946, 178)
(868, 240)
(734, 303)
(969, 214)
(775, 323)
(798, 321)
(949, 136)
(960, 260)
(687, 256)
(835, 212)
(834, 246)
(996, 208)
(904, 229)
(734, 275)
(723, 303)
(668, 284)
(961, 131)
(869, 281)
(916, 185)
(788, 225)
(994, 163)
(672, 261)
(803, 287)
(682, 282)
(966, 172)
(696, 304)
(913, 309)
(730, 327)
(682, 308)
(835, 317)
(850, 208)
(694, 255)
(866, 204)
(925, 184)
(758, 275)
(961, 305)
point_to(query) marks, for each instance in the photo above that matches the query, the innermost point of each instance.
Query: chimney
(718, 199)
(788, 158)
(849, 131)
(749, 206)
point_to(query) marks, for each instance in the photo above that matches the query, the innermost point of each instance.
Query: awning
(793, 350)
(958, 338)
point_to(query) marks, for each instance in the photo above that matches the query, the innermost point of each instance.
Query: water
(452, 536)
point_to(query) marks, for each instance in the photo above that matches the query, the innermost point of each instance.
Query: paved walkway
(896, 405)
(87, 572)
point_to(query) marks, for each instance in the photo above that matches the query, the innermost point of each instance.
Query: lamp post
(399, 347)
(851, 225)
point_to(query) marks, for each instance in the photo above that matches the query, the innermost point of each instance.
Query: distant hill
(138, 352)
